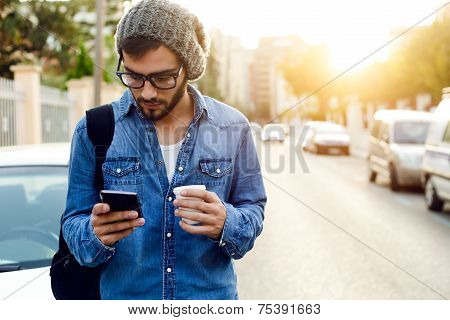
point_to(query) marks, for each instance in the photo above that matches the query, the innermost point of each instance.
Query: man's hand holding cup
(201, 211)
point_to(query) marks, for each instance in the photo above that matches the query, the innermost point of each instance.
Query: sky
(350, 28)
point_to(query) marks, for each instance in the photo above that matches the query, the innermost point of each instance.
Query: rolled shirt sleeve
(246, 203)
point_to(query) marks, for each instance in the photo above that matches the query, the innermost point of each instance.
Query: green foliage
(111, 59)
(38, 31)
(427, 59)
(307, 71)
(84, 65)
(57, 35)
(208, 83)
(420, 63)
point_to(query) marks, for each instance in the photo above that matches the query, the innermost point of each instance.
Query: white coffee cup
(177, 192)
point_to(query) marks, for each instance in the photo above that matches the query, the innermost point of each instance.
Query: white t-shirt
(170, 155)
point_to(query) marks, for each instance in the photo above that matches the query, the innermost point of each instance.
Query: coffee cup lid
(193, 186)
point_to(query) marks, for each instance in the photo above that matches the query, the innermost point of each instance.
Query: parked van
(396, 146)
(436, 162)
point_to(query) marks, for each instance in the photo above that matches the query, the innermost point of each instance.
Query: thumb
(100, 208)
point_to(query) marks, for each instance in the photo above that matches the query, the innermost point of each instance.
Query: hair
(137, 47)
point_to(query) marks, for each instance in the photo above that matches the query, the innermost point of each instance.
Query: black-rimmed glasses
(162, 81)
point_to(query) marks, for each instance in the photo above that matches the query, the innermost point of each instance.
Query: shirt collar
(127, 101)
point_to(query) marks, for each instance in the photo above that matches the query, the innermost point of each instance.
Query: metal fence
(55, 106)
(9, 103)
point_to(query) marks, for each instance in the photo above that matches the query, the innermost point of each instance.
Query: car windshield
(32, 200)
(410, 132)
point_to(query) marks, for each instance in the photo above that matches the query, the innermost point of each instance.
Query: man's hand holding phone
(112, 226)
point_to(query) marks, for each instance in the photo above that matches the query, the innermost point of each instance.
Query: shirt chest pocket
(122, 171)
(214, 171)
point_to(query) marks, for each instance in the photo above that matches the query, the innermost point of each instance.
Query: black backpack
(69, 280)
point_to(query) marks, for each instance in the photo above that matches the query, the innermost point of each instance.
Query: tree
(419, 64)
(427, 58)
(111, 59)
(58, 35)
(308, 72)
(84, 64)
(39, 31)
(208, 83)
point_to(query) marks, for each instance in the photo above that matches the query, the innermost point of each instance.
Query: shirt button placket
(169, 270)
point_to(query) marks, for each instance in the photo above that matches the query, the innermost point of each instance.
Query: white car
(326, 137)
(274, 132)
(33, 190)
(435, 176)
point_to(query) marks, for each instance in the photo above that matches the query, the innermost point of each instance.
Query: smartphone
(121, 201)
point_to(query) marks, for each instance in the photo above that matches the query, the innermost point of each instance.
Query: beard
(168, 106)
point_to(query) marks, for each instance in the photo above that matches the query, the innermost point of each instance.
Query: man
(166, 135)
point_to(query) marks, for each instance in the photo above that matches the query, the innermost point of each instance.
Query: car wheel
(372, 175)
(394, 178)
(431, 198)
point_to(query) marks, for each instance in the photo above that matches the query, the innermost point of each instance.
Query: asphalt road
(330, 234)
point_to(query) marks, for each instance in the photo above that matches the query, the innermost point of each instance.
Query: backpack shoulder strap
(100, 129)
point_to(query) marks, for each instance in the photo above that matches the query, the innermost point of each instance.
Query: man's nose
(149, 91)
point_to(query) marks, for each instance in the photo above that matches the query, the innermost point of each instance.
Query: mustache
(152, 101)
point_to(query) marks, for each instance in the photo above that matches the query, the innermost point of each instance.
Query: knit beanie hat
(171, 24)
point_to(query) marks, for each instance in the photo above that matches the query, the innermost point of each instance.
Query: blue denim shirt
(160, 260)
